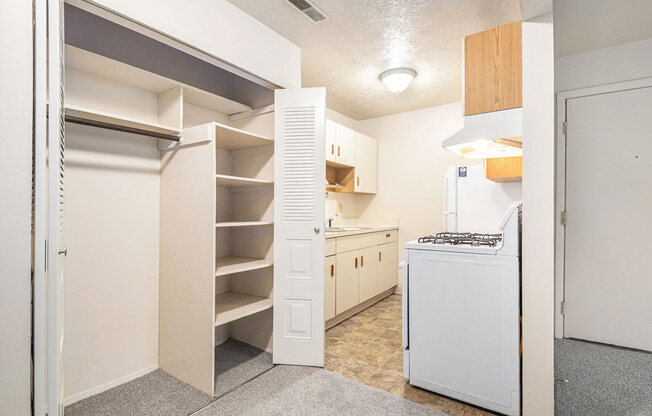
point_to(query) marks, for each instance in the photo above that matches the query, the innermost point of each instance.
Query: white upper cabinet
(331, 132)
(366, 164)
(345, 145)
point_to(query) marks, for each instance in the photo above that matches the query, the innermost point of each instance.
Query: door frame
(560, 192)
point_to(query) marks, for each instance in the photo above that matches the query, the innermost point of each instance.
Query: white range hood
(489, 135)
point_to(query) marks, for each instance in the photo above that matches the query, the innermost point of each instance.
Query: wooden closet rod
(116, 127)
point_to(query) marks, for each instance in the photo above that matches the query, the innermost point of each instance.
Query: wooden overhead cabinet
(493, 70)
(504, 169)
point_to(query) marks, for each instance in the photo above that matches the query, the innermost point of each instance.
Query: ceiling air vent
(308, 9)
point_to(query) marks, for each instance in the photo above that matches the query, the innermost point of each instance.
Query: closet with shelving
(181, 199)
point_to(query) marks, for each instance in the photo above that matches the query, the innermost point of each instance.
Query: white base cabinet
(358, 268)
(329, 287)
(347, 283)
(368, 273)
(387, 266)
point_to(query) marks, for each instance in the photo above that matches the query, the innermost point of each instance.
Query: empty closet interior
(169, 209)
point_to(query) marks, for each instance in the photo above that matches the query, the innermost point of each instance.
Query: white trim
(562, 98)
(108, 385)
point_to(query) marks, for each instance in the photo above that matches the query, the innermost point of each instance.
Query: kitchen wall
(15, 191)
(411, 169)
(623, 62)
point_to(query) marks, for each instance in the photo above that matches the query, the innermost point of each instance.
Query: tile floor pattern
(367, 348)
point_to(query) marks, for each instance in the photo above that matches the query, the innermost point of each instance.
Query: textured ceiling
(586, 25)
(363, 38)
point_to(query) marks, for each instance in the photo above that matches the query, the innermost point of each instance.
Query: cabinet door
(331, 131)
(345, 145)
(493, 69)
(330, 279)
(347, 281)
(368, 273)
(387, 266)
(366, 164)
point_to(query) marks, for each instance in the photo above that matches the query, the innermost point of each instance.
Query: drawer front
(387, 236)
(331, 246)
(356, 242)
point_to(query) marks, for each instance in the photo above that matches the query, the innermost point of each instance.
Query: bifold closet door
(299, 175)
(49, 249)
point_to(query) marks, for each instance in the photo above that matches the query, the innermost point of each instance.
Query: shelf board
(230, 138)
(242, 224)
(104, 117)
(332, 164)
(227, 180)
(231, 306)
(231, 264)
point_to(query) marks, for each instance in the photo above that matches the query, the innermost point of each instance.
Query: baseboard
(358, 308)
(108, 385)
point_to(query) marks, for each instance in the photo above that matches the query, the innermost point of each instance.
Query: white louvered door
(299, 177)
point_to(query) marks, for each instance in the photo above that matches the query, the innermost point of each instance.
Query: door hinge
(564, 218)
(47, 248)
(563, 307)
(565, 127)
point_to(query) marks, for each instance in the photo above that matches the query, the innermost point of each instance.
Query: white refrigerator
(473, 203)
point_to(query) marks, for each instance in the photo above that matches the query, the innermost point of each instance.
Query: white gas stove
(461, 310)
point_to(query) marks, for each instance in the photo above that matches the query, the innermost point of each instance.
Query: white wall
(411, 169)
(222, 30)
(538, 216)
(15, 199)
(624, 62)
(111, 272)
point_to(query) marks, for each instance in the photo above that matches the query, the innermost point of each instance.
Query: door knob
(316, 230)
(64, 252)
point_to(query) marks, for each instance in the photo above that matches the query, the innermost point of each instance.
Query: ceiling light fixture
(398, 79)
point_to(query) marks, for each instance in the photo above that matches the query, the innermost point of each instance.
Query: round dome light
(398, 79)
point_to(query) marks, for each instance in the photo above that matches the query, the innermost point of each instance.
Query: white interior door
(608, 289)
(299, 175)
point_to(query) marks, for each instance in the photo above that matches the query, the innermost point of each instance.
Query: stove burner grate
(466, 239)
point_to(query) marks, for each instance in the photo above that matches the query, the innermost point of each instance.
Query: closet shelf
(227, 180)
(242, 224)
(230, 138)
(231, 306)
(231, 264)
(74, 112)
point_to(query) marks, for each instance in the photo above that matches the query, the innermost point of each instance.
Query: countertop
(367, 229)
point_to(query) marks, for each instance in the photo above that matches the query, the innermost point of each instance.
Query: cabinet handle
(356, 262)
(358, 181)
(388, 235)
(380, 256)
(338, 150)
(361, 261)
(332, 270)
(332, 149)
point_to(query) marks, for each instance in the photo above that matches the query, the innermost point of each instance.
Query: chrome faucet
(330, 221)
